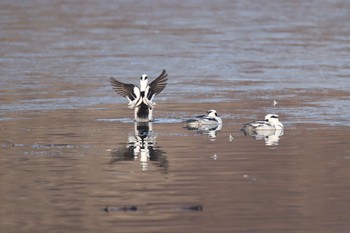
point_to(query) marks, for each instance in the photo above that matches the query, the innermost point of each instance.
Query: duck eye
(216, 114)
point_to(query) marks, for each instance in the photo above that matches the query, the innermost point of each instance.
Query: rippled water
(72, 159)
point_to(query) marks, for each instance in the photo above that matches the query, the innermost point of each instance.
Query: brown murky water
(71, 159)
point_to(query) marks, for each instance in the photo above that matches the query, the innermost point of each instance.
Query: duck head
(143, 82)
(212, 113)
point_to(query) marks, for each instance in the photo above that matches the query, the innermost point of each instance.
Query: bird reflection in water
(141, 147)
(271, 137)
(209, 130)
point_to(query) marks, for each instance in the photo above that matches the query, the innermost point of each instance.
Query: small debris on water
(108, 209)
(275, 103)
(191, 208)
(230, 138)
(252, 178)
(132, 208)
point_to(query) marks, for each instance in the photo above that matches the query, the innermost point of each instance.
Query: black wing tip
(113, 80)
(116, 86)
(164, 73)
(163, 76)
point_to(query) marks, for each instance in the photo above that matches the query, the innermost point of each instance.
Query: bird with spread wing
(141, 98)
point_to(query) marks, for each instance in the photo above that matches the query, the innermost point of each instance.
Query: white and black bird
(208, 120)
(141, 98)
(271, 122)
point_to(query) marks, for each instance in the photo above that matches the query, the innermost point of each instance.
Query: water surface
(72, 159)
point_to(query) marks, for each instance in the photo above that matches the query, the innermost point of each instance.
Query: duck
(271, 122)
(141, 98)
(210, 120)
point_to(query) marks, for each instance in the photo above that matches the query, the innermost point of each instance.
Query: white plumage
(208, 124)
(210, 119)
(271, 122)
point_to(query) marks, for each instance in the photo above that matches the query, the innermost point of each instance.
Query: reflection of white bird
(210, 119)
(271, 122)
(141, 98)
(141, 142)
(273, 138)
(210, 132)
(141, 146)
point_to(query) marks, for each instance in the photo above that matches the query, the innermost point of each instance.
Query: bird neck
(143, 85)
(273, 121)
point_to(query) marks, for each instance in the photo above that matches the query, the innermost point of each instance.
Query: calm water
(72, 159)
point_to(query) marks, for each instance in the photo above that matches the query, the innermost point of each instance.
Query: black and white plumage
(271, 122)
(210, 119)
(141, 98)
(208, 124)
(141, 146)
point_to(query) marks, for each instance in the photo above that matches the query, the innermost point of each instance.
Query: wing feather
(158, 85)
(123, 89)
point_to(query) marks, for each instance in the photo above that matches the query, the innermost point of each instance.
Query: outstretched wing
(157, 85)
(123, 89)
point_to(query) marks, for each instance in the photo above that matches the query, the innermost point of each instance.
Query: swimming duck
(271, 122)
(141, 98)
(209, 120)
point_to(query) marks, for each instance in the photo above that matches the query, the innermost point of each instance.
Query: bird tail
(148, 102)
(133, 104)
